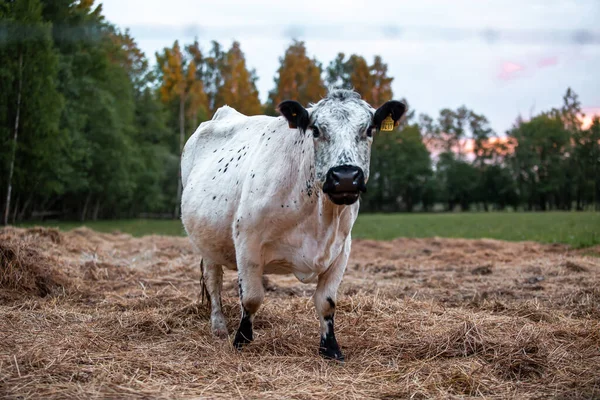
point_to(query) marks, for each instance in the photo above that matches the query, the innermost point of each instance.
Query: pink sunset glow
(510, 70)
(547, 62)
(590, 113)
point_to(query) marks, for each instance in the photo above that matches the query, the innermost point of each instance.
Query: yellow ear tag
(387, 125)
(291, 124)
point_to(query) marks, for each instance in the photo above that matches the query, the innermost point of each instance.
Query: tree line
(91, 128)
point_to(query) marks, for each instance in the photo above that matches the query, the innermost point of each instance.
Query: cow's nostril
(336, 177)
(344, 179)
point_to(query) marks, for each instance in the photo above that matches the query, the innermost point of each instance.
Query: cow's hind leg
(252, 294)
(213, 281)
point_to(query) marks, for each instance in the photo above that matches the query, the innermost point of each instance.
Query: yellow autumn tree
(238, 84)
(197, 108)
(381, 88)
(298, 78)
(360, 76)
(371, 81)
(180, 84)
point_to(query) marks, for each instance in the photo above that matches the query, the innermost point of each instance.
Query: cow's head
(342, 126)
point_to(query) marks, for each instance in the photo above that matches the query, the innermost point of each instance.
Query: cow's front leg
(252, 294)
(325, 297)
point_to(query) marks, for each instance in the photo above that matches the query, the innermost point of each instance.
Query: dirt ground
(90, 315)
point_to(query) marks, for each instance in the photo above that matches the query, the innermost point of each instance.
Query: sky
(500, 58)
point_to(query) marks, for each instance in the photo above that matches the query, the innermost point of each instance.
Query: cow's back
(214, 166)
(210, 136)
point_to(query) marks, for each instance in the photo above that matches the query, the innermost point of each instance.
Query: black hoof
(241, 339)
(244, 333)
(330, 350)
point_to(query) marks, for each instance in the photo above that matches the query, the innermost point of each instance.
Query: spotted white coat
(253, 202)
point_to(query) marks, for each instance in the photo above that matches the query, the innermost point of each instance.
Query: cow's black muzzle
(344, 184)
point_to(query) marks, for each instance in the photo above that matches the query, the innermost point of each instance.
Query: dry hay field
(91, 315)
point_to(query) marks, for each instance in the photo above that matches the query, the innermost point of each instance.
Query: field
(85, 314)
(578, 229)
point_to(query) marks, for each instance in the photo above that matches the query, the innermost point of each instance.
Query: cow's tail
(203, 288)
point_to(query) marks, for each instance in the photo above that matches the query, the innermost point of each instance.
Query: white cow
(279, 195)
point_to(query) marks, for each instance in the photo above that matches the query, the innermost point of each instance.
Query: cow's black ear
(296, 115)
(394, 108)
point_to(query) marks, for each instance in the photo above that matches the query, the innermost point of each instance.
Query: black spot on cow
(344, 158)
(253, 175)
(282, 206)
(269, 138)
(215, 151)
(309, 188)
(214, 197)
(331, 303)
(213, 178)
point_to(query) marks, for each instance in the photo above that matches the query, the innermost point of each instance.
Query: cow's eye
(370, 131)
(316, 132)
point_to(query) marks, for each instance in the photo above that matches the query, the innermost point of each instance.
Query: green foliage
(539, 160)
(400, 170)
(29, 96)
